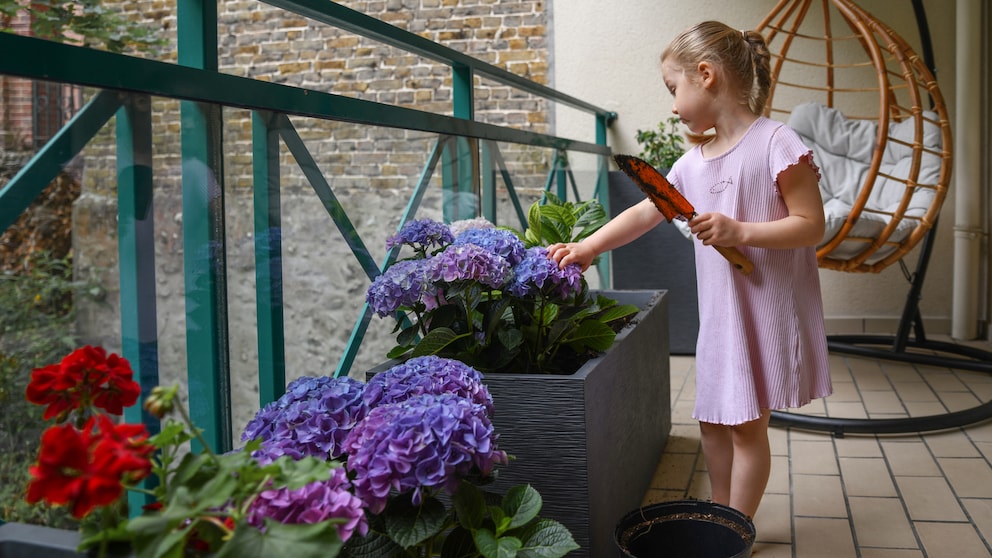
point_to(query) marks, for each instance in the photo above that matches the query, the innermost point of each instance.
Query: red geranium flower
(86, 468)
(86, 377)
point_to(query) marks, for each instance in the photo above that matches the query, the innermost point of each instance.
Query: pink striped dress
(761, 341)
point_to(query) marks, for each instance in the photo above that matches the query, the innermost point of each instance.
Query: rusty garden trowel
(671, 203)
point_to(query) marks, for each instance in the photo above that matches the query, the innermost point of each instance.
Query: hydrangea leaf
(522, 504)
(470, 506)
(546, 538)
(491, 546)
(409, 524)
(436, 341)
(591, 334)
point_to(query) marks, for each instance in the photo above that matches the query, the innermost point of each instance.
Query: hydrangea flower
(312, 418)
(462, 225)
(403, 284)
(469, 262)
(539, 274)
(421, 234)
(427, 374)
(313, 503)
(427, 441)
(497, 241)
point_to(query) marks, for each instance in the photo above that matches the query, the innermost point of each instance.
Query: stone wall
(371, 170)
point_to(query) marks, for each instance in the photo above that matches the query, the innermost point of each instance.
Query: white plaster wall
(607, 54)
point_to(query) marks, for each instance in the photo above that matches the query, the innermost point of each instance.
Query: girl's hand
(572, 252)
(716, 229)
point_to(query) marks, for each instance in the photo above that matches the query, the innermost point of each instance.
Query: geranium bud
(161, 401)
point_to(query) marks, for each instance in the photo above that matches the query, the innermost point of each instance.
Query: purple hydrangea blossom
(497, 241)
(425, 442)
(312, 418)
(421, 234)
(539, 274)
(403, 284)
(313, 503)
(469, 262)
(427, 374)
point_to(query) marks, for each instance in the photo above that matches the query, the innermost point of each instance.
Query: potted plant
(333, 468)
(580, 378)
(662, 258)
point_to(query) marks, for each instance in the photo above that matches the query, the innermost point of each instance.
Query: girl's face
(691, 99)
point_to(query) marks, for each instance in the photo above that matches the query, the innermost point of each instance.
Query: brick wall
(372, 170)
(15, 99)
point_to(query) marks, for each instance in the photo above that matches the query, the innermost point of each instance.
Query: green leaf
(522, 503)
(408, 524)
(470, 505)
(618, 311)
(591, 334)
(546, 538)
(492, 547)
(436, 341)
(458, 544)
(375, 544)
(317, 540)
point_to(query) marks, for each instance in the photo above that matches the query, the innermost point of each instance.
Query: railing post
(268, 258)
(460, 170)
(136, 252)
(204, 253)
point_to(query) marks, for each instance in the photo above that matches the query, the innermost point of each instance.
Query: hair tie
(744, 35)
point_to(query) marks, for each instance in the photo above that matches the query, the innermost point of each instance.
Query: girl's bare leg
(738, 459)
(752, 464)
(718, 452)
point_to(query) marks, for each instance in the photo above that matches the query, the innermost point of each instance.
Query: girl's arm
(804, 225)
(622, 229)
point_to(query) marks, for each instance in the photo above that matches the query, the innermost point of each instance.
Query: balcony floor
(859, 496)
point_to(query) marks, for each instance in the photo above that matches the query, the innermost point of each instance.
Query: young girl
(761, 343)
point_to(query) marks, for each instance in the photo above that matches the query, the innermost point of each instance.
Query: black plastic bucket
(685, 529)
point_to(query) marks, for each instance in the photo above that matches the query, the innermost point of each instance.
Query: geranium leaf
(470, 505)
(546, 538)
(408, 524)
(316, 540)
(522, 503)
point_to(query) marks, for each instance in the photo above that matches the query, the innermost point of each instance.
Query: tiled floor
(859, 496)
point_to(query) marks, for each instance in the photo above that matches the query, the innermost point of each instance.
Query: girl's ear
(706, 74)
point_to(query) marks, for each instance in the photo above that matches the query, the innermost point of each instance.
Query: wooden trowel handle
(738, 259)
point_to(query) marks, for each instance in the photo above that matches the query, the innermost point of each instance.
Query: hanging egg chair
(872, 112)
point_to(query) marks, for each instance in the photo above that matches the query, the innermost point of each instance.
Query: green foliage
(479, 524)
(663, 146)
(98, 26)
(561, 221)
(36, 324)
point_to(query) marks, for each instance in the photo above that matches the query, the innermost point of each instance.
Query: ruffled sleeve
(787, 149)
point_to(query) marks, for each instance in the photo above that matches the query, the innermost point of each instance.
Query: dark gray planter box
(661, 259)
(590, 442)
(20, 540)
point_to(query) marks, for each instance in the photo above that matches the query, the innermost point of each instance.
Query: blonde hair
(742, 56)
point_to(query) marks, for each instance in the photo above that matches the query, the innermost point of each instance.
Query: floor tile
(980, 511)
(778, 480)
(951, 540)
(818, 537)
(858, 446)
(970, 478)
(953, 443)
(866, 477)
(881, 522)
(929, 499)
(890, 553)
(814, 458)
(818, 496)
(773, 522)
(674, 471)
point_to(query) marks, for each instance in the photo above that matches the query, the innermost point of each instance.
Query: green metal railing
(465, 148)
